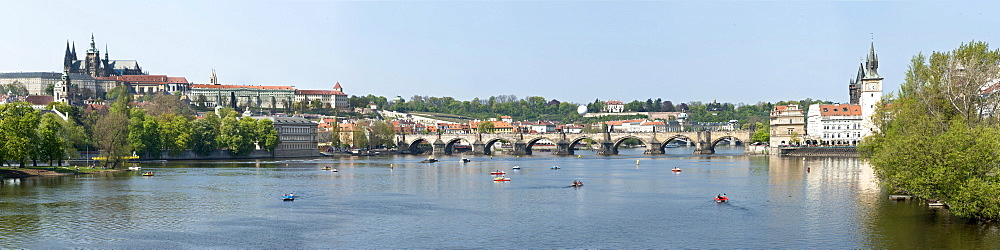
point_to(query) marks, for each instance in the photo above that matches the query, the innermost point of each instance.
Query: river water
(396, 202)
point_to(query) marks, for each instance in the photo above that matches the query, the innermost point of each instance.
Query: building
(834, 124)
(94, 66)
(335, 99)
(614, 106)
(84, 86)
(870, 92)
(210, 95)
(152, 84)
(297, 135)
(787, 125)
(498, 127)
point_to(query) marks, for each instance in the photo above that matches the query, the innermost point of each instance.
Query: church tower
(213, 79)
(93, 64)
(68, 58)
(871, 91)
(61, 90)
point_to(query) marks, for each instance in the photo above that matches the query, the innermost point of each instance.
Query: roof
(124, 64)
(39, 99)
(839, 110)
(143, 78)
(47, 75)
(211, 86)
(337, 86)
(318, 92)
(614, 102)
(179, 79)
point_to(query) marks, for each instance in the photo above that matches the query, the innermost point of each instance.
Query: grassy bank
(12, 172)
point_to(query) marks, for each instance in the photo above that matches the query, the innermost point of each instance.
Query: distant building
(84, 86)
(787, 125)
(614, 106)
(298, 136)
(94, 66)
(211, 95)
(335, 99)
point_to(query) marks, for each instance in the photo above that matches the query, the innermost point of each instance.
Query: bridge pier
(607, 148)
(703, 144)
(521, 148)
(479, 148)
(563, 148)
(654, 147)
(439, 148)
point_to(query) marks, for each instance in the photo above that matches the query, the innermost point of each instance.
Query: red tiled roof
(143, 78)
(839, 110)
(318, 92)
(615, 102)
(177, 80)
(39, 99)
(337, 86)
(210, 86)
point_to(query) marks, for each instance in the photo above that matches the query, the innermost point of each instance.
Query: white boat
(516, 167)
(134, 168)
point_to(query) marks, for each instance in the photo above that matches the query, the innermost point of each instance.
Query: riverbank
(10, 172)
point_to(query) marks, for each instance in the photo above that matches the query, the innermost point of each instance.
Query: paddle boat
(147, 173)
(555, 167)
(429, 160)
(501, 178)
(498, 172)
(134, 168)
(577, 184)
(465, 160)
(516, 168)
(721, 199)
(327, 168)
(334, 170)
(676, 169)
(288, 197)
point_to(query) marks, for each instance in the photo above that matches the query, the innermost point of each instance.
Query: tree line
(165, 123)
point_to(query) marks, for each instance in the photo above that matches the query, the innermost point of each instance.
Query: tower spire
(106, 58)
(93, 45)
(871, 64)
(74, 50)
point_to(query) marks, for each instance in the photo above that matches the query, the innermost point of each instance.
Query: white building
(835, 124)
(614, 106)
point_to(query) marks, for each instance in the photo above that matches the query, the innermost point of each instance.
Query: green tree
(267, 137)
(175, 133)
(112, 138)
(939, 139)
(18, 129)
(51, 143)
(144, 135)
(204, 136)
(761, 134)
(485, 127)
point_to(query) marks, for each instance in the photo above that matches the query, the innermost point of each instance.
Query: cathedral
(94, 66)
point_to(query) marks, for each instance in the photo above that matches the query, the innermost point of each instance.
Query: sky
(575, 51)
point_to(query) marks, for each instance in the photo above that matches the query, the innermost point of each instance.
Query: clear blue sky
(571, 51)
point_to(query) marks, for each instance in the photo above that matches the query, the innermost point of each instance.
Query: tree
(267, 137)
(144, 135)
(761, 134)
(162, 103)
(204, 136)
(18, 129)
(51, 144)
(112, 138)
(940, 138)
(175, 133)
(485, 127)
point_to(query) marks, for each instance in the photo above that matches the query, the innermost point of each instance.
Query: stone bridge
(704, 141)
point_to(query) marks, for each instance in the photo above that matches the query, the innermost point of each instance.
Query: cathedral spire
(93, 45)
(67, 48)
(106, 58)
(74, 50)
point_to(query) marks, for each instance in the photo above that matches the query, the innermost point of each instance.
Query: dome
(581, 109)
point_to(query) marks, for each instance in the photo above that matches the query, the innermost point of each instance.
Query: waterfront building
(787, 125)
(870, 92)
(94, 66)
(297, 135)
(835, 124)
(498, 127)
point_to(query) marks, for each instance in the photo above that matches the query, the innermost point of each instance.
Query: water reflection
(396, 202)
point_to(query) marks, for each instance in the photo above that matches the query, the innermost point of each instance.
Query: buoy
(579, 156)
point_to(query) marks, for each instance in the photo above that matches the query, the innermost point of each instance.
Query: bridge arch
(618, 142)
(449, 146)
(674, 139)
(733, 139)
(488, 145)
(572, 143)
(414, 145)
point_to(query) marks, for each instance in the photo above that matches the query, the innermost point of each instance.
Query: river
(396, 202)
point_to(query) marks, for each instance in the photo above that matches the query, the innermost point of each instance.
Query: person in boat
(719, 197)
(577, 183)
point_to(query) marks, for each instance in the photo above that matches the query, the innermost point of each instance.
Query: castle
(94, 66)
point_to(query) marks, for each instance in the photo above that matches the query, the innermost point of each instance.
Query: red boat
(676, 170)
(723, 199)
(497, 172)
